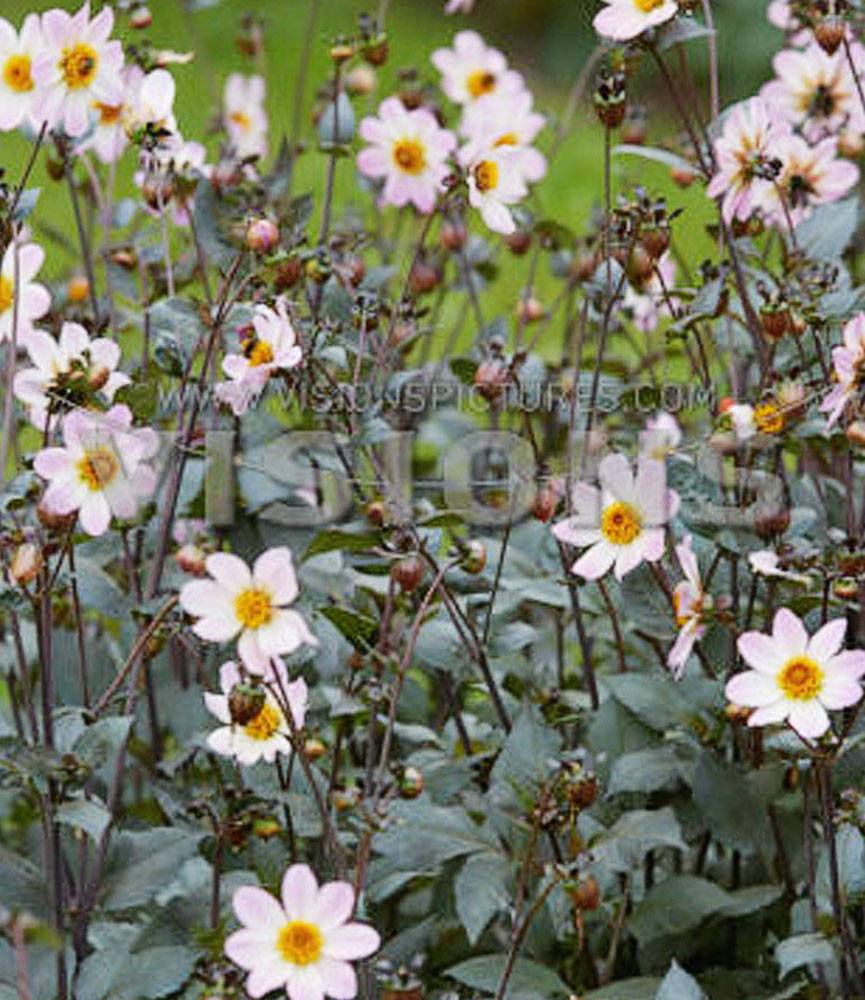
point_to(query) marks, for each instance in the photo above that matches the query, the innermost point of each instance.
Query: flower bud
(655, 240)
(585, 792)
(126, 258)
(587, 895)
(59, 523)
(412, 783)
(475, 557)
(341, 52)
(140, 18)
(190, 558)
(314, 749)
(846, 588)
(245, 702)
(530, 310)
(26, 563)
(491, 377)
(376, 51)
(262, 235)
(408, 573)
(777, 320)
(362, 80)
(265, 828)
(453, 236)
(829, 32)
(288, 273)
(423, 278)
(737, 714)
(611, 99)
(545, 503)
(519, 242)
(78, 289)
(682, 177)
(856, 433)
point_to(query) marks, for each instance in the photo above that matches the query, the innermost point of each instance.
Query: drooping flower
(79, 67)
(494, 122)
(809, 176)
(303, 942)
(472, 70)
(250, 605)
(102, 469)
(743, 152)
(625, 19)
(690, 603)
(409, 151)
(621, 524)
(848, 361)
(18, 53)
(244, 116)
(816, 91)
(795, 678)
(21, 264)
(67, 370)
(495, 180)
(266, 732)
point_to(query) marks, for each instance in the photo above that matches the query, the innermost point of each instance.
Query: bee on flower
(622, 523)
(303, 942)
(797, 679)
(19, 51)
(23, 301)
(623, 20)
(254, 726)
(244, 117)
(67, 371)
(101, 471)
(848, 361)
(472, 70)
(78, 69)
(409, 151)
(250, 606)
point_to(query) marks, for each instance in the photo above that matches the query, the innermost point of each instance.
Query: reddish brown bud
(262, 235)
(423, 278)
(408, 573)
(190, 558)
(587, 895)
(26, 563)
(140, 18)
(475, 557)
(519, 242)
(829, 33)
(412, 783)
(453, 236)
(491, 377)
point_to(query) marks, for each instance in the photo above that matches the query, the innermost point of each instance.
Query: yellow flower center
(768, 418)
(78, 65)
(620, 523)
(486, 176)
(481, 82)
(300, 942)
(241, 119)
(261, 353)
(7, 294)
(109, 114)
(801, 678)
(263, 725)
(508, 139)
(253, 607)
(647, 6)
(16, 73)
(98, 468)
(408, 155)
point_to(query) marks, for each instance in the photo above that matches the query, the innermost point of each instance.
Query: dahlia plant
(412, 586)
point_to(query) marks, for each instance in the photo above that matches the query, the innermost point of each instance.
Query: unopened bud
(78, 289)
(475, 557)
(412, 783)
(190, 558)
(530, 310)
(26, 563)
(408, 573)
(587, 895)
(140, 18)
(313, 749)
(262, 235)
(362, 80)
(829, 33)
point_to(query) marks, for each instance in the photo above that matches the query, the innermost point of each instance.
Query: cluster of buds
(776, 313)
(640, 234)
(373, 44)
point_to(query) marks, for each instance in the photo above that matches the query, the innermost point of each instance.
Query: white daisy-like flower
(661, 437)
(795, 678)
(622, 524)
(66, 370)
(18, 53)
(493, 122)
(244, 116)
(626, 19)
(496, 181)
(267, 733)
(249, 606)
(849, 369)
(79, 67)
(21, 261)
(690, 603)
(102, 469)
(472, 69)
(303, 942)
(409, 151)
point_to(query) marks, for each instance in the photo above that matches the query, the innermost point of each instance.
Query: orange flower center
(263, 725)
(109, 114)
(486, 176)
(768, 418)
(16, 73)
(261, 353)
(481, 82)
(801, 678)
(647, 6)
(7, 294)
(300, 943)
(253, 607)
(98, 468)
(620, 523)
(241, 119)
(508, 139)
(78, 65)
(408, 155)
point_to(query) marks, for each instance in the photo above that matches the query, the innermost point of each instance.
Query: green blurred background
(548, 40)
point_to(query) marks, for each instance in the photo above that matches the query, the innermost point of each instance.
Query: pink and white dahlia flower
(303, 942)
(18, 53)
(493, 122)
(622, 524)
(795, 678)
(472, 70)
(249, 606)
(690, 603)
(20, 265)
(409, 151)
(848, 361)
(496, 181)
(622, 20)
(244, 116)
